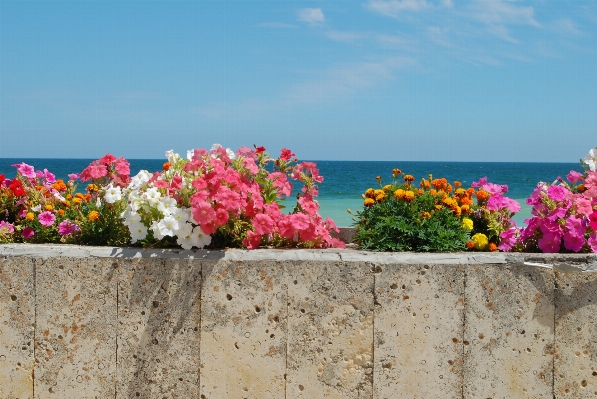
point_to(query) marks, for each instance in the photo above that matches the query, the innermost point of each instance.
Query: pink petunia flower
(593, 220)
(508, 239)
(26, 170)
(252, 241)
(28, 233)
(550, 242)
(286, 154)
(262, 224)
(74, 176)
(7, 227)
(583, 205)
(575, 226)
(593, 242)
(573, 242)
(574, 176)
(46, 218)
(299, 221)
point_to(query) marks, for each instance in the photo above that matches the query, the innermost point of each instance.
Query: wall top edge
(561, 262)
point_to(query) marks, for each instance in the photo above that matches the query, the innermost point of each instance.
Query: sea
(345, 181)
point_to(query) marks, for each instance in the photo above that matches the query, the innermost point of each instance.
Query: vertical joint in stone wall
(464, 276)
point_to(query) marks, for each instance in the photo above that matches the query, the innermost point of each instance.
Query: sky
(412, 80)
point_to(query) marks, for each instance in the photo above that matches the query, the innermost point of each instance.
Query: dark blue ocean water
(344, 181)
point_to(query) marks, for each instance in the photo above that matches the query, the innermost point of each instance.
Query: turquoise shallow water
(344, 181)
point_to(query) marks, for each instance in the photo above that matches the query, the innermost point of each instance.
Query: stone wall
(83, 322)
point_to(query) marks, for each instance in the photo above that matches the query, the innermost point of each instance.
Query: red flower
(17, 188)
(2, 178)
(259, 150)
(286, 154)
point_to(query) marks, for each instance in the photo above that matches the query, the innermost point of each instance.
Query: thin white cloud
(312, 16)
(498, 15)
(567, 26)
(393, 8)
(277, 25)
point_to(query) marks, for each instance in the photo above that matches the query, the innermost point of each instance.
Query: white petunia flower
(168, 226)
(591, 160)
(138, 232)
(156, 231)
(139, 180)
(152, 195)
(182, 215)
(36, 208)
(167, 206)
(200, 239)
(190, 154)
(185, 236)
(113, 194)
(131, 218)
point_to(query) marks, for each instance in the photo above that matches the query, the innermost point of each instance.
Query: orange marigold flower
(39, 188)
(419, 191)
(87, 197)
(30, 216)
(457, 184)
(59, 185)
(465, 208)
(456, 211)
(61, 212)
(387, 187)
(581, 188)
(370, 193)
(93, 216)
(449, 188)
(399, 194)
(396, 172)
(426, 215)
(409, 178)
(166, 166)
(66, 203)
(378, 178)
(80, 196)
(470, 244)
(369, 202)
(409, 196)
(433, 192)
(425, 184)
(466, 201)
(492, 247)
(482, 195)
(470, 190)
(380, 195)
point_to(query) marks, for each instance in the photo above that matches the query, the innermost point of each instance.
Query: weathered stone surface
(159, 318)
(419, 325)
(75, 334)
(17, 320)
(243, 330)
(575, 365)
(509, 332)
(330, 330)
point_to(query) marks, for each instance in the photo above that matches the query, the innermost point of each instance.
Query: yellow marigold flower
(93, 216)
(460, 192)
(92, 188)
(77, 201)
(465, 208)
(369, 202)
(49, 207)
(457, 211)
(370, 193)
(438, 207)
(467, 224)
(69, 197)
(399, 194)
(378, 178)
(387, 187)
(396, 172)
(409, 196)
(481, 241)
(492, 247)
(66, 203)
(30, 216)
(426, 215)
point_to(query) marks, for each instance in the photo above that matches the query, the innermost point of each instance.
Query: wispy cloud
(394, 8)
(277, 25)
(312, 16)
(497, 15)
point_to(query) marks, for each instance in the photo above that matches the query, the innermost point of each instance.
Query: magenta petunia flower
(46, 218)
(28, 232)
(550, 242)
(7, 227)
(593, 242)
(574, 176)
(556, 193)
(74, 176)
(593, 220)
(573, 242)
(25, 170)
(66, 228)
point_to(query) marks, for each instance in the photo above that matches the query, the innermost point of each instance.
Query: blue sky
(427, 80)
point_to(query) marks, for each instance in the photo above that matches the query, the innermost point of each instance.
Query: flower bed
(218, 198)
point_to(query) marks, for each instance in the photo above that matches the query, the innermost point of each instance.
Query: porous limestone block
(419, 324)
(243, 329)
(575, 368)
(159, 317)
(509, 331)
(17, 321)
(75, 333)
(330, 330)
